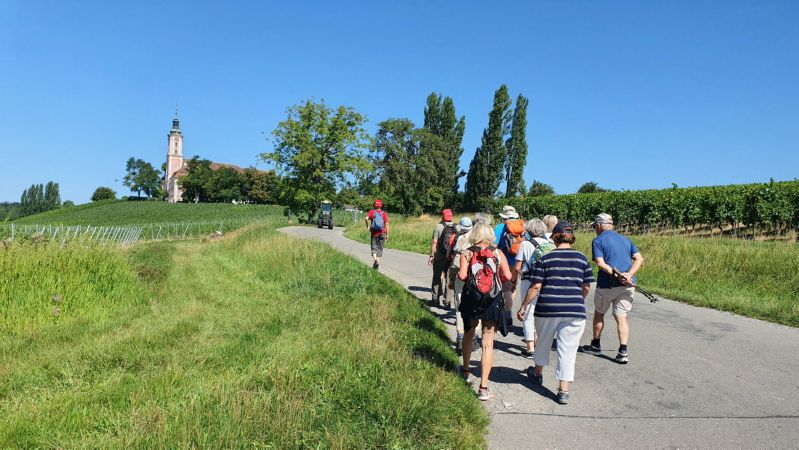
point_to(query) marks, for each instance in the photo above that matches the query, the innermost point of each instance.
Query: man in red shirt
(377, 223)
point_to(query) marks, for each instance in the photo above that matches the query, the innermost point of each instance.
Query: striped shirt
(562, 273)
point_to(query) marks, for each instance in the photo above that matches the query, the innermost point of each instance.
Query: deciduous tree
(103, 193)
(316, 149)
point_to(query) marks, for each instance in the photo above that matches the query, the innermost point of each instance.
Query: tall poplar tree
(487, 166)
(440, 152)
(517, 150)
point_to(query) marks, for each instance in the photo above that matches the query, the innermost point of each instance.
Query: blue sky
(629, 94)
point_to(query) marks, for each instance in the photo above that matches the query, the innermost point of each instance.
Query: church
(177, 167)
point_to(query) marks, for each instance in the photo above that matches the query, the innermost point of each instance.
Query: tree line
(323, 152)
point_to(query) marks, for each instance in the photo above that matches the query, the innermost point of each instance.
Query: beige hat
(603, 219)
(509, 212)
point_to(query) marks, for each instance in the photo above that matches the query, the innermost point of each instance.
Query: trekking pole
(623, 281)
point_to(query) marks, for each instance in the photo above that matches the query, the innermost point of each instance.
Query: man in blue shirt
(611, 250)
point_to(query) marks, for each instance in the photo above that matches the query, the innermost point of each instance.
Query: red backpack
(483, 281)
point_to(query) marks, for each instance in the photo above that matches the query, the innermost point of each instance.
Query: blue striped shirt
(562, 273)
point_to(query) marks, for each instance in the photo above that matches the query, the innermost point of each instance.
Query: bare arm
(531, 294)
(586, 289)
(505, 272)
(463, 273)
(638, 260)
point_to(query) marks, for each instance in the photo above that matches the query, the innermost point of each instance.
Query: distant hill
(120, 212)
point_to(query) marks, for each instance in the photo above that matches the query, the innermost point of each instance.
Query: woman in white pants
(561, 280)
(529, 251)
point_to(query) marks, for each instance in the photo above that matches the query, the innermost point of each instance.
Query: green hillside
(120, 212)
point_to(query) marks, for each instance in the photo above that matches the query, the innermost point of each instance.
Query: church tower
(174, 161)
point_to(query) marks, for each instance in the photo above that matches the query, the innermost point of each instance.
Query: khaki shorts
(621, 297)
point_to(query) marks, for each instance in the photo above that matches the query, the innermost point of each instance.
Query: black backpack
(446, 242)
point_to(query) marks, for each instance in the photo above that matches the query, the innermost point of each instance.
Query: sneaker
(536, 379)
(375, 265)
(527, 354)
(621, 358)
(562, 398)
(465, 374)
(459, 345)
(591, 350)
(484, 393)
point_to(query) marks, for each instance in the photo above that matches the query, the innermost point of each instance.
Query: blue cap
(563, 227)
(466, 222)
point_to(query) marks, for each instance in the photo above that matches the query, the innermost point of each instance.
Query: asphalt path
(697, 377)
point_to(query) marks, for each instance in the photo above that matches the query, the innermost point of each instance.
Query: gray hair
(550, 221)
(482, 233)
(535, 227)
(482, 218)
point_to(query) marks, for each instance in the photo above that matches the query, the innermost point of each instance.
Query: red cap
(378, 203)
(446, 215)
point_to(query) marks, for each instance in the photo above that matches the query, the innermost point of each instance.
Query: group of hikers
(481, 270)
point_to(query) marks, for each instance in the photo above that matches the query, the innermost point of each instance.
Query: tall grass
(257, 341)
(751, 278)
(42, 284)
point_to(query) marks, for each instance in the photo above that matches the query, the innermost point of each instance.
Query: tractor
(325, 215)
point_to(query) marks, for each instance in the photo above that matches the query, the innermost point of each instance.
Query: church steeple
(176, 121)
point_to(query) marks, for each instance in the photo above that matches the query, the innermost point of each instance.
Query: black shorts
(378, 242)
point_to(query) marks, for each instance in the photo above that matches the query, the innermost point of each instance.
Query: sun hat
(378, 203)
(509, 212)
(465, 223)
(563, 227)
(603, 219)
(446, 215)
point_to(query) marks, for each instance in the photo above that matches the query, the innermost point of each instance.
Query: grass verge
(255, 341)
(751, 278)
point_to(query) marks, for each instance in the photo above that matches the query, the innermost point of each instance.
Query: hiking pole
(623, 281)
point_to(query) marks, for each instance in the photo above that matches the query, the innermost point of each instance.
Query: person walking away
(611, 252)
(509, 235)
(529, 252)
(550, 221)
(444, 235)
(483, 269)
(377, 223)
(561, 280)
(455, 284)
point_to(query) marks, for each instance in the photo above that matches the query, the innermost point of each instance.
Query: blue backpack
(377, 220)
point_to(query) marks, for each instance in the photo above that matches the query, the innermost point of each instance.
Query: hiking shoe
(527, 354)
(621, 358)
(536, 379)
(459, 345)
(562, 398)
(375, 265)
(484, 393)
(591, 350)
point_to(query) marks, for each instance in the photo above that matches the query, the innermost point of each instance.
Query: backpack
(446, 241)
(512, 236)
(483, 279)
(541, 249)
(378, 224)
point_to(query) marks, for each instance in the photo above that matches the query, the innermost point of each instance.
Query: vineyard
(124, 213)
(125, 223)
(745, 210)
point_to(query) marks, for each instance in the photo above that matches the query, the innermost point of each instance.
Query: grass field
(751, 278)
(258, 340)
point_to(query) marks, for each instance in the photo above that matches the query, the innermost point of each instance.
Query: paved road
(697, 378)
